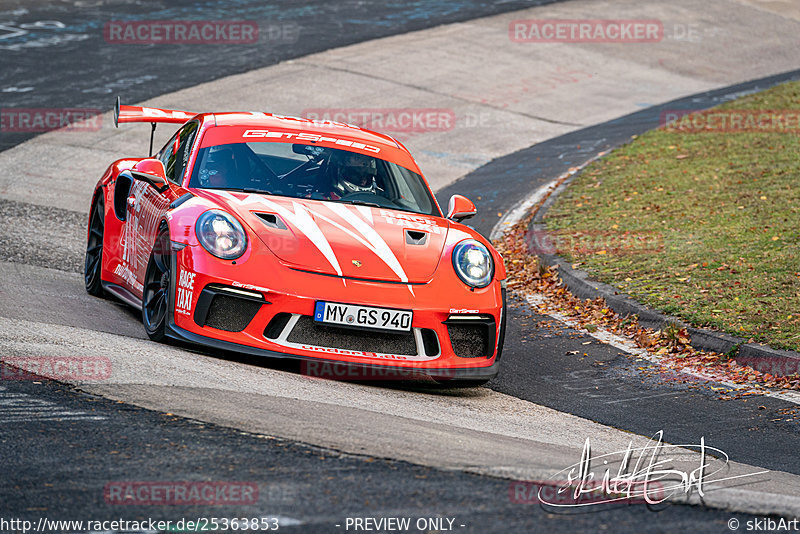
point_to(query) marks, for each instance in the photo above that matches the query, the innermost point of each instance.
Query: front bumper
(189, 308)
(334, 369)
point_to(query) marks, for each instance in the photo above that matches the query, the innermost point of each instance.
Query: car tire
(157, 287)
(93, 261)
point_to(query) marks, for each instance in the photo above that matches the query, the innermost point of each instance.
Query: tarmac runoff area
(503, 96)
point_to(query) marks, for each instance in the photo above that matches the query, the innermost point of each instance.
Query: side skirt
(122, 294)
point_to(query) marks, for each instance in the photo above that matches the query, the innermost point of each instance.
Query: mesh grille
(230, 313)
(469, 340)
(311, 333)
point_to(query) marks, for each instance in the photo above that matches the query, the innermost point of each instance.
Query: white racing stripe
(358, 238)
(306, 224)
(377, 244)
(366, 212)
(303, 220)
(300, 218)
(346, 231)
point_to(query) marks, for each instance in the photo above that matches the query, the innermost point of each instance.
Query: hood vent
(272, 220)
(415, 237)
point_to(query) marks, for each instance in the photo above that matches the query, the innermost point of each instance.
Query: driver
(355, 173)
(219, 170)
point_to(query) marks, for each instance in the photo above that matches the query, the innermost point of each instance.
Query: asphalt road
(605, 386)
(65, 469)
(56, 55)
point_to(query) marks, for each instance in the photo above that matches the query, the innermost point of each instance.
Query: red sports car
(288, 237)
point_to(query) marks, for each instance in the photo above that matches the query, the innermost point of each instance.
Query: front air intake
(471, 336)
(227, 308)
(309, 332)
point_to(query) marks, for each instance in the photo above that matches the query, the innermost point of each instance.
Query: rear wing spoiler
(124, 114)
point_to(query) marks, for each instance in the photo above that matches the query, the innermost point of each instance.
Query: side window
(167, 153)
(186, 135)
(175, 154)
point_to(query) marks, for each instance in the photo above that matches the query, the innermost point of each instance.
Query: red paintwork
(150, 166)
(142, 114)
(284, 264)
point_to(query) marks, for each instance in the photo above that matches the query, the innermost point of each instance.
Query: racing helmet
(355, 173)
(219, 169)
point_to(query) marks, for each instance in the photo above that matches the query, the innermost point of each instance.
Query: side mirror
(460, 208)
(152, 171)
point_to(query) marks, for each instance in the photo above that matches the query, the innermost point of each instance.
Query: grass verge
(703, 225)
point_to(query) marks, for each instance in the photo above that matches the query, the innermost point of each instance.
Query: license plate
(363, 316)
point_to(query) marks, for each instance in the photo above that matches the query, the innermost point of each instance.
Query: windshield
(315, 172)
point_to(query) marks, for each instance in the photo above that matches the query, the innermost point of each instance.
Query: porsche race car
(289, 237)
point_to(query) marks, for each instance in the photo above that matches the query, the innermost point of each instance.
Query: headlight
(221, 234)
(473, 263)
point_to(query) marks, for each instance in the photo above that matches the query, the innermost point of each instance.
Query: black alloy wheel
(94, 249)
(157, 282)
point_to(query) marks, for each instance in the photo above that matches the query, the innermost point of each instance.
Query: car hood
(342, 239)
